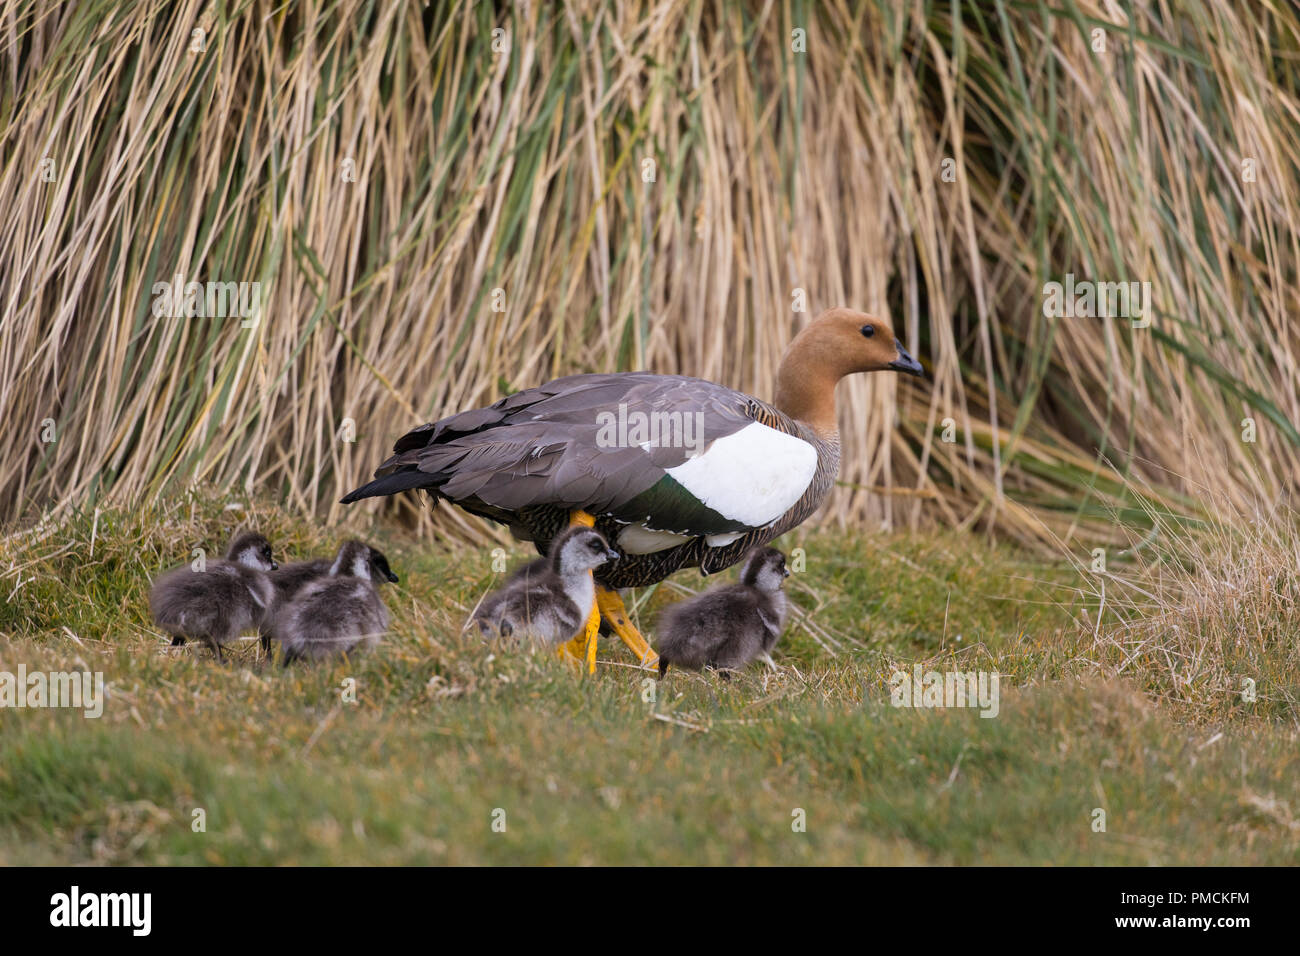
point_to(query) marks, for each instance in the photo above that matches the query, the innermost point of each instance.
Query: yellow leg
(583, 647)
(593, 632)
(615, 614)
(609, 606)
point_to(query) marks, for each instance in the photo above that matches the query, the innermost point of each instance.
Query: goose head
(253, 551)
(837, 343)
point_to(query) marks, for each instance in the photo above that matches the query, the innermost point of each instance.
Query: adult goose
(674, 472)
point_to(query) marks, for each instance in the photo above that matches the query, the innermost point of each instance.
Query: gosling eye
(868, 331)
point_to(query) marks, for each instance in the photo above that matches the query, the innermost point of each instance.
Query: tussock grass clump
(448, 201)
(91, 569)
(1205, 617)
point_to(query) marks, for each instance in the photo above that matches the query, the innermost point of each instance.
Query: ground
(456, 752)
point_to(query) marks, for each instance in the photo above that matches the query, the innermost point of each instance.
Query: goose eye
(868, 331)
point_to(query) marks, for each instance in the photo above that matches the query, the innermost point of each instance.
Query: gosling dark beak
(785, 572)
(611, 554)
(905, 362)
(393, 577)
(274, 566)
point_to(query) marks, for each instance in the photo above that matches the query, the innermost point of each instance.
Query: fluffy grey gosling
(549, 605)
(728, 627)
(337, 613)
(289, 579)
(220, 602)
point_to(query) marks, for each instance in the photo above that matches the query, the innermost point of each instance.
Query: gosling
(289, 579)
(335, 614)
(730, 626)
(217, 604)
(549, 604)
(292, 578)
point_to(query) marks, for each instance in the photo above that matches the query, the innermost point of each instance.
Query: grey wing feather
(550, 453)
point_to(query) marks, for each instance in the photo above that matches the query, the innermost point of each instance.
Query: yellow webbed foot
(614, 612)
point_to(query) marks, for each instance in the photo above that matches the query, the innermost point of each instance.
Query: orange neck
(806, 393)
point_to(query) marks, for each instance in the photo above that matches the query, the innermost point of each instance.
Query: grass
(437, 218)
(445, 732)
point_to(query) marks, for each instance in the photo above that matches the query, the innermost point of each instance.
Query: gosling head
(764, 569)
(578, 550)
(379, 567)
(252, 550)
(358, 560)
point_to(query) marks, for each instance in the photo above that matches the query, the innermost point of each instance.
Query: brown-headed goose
(728, 627)
(334, 614)
(219, 600)
(551, 604)
(675, 472)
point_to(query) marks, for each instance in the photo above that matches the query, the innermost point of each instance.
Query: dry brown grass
(774, 171)
(1202, 616)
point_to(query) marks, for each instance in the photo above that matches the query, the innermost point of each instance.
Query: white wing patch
(638, 539)
(753, 476)
(722, 540)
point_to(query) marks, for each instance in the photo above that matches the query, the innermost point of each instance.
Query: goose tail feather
(391, 484)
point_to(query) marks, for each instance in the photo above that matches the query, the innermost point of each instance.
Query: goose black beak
(905, 362)
(393, 577)
(275, 566)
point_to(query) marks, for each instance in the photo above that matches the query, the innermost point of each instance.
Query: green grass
(614, 769)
